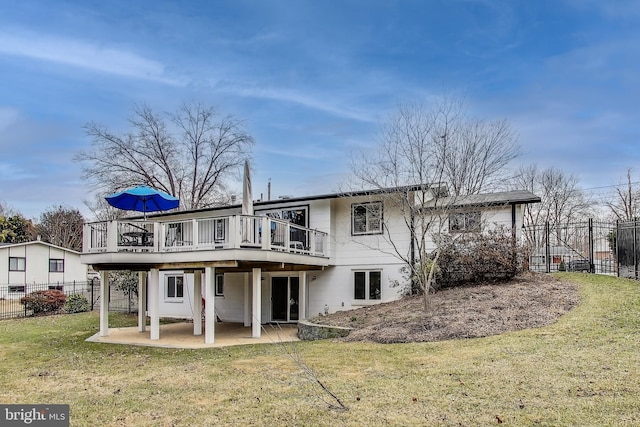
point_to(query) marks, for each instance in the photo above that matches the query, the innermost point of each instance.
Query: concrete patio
(180, 335)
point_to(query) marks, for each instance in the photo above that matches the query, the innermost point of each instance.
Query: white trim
(256, 316)
(210, 305)
(367, 283)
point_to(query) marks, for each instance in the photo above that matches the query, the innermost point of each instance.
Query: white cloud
(307, 100)
(84, 54)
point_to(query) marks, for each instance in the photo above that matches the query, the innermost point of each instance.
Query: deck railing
(226, 232)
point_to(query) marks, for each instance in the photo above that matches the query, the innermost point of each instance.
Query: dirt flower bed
(529, 301)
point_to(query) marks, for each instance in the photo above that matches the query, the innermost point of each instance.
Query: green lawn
(582, 371)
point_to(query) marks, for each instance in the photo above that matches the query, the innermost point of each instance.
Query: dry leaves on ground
(529, 301)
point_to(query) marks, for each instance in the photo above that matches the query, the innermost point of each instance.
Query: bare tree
(103, 211)
(6, 210)
(624, 204)
(420, 150)
(61, 226)
(189, 154)
(562, 201)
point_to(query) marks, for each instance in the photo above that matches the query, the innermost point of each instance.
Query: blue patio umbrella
(143, 199)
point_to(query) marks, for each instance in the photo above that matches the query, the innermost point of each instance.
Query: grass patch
(582, 370)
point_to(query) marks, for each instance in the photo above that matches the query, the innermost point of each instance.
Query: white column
(197, 302)
(247, 300)
(210, 306)
(302, 297)
(154, 302)
(142, 301)
(104, 303)
(256, 314)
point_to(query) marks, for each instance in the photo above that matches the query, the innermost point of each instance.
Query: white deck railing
(226, 232)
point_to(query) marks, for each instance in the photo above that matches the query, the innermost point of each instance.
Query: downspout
(513, 238)
(412, 257)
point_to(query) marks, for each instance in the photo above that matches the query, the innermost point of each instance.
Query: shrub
(44, 301)
(76, 303)
(474, 257)
(125, 281)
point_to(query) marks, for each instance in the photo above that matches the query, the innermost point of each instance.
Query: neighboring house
(557, 255)
(33, 264)
(573, 258)
(293, 259)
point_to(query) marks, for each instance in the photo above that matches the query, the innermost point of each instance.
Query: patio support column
(197, 302)
(104, 303)
(142, 301)
(302, 303)
(154, 300)
(247, 300)
(256, 314)
(209, 307)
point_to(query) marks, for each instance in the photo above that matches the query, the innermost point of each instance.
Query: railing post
(312, 242)
(112, 236)
(156, 236)
(287, 237)
(234, 227)
(86, 237)
(266, 233)
(194, 237)
(162, 236)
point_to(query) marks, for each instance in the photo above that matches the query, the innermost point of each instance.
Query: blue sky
(314, 79)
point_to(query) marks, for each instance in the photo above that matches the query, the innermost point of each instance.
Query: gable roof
(518, 197)
(37, 242)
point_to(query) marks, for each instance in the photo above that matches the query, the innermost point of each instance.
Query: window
(56, 265)
(175, 287)
(219, 285)
(367, 285)
(461, 222)
(17, 264)
(295, 215)
(16, 289)
(366, 218)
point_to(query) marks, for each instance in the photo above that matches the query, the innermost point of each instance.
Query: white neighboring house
(293, 259)
(25, 267)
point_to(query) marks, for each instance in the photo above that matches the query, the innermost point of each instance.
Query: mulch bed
(529, 301)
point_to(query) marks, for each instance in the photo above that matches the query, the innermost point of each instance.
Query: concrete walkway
(180, 335)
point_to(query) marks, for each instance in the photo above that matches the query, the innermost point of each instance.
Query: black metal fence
(10, 295)
(588, 246)
(627, 248)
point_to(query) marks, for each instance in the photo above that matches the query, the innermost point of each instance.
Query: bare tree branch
(625, 203)
(188, 154)
(419, 150)
(61, 226)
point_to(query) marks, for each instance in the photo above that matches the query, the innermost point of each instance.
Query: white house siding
(332, 287)
(37, 256)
